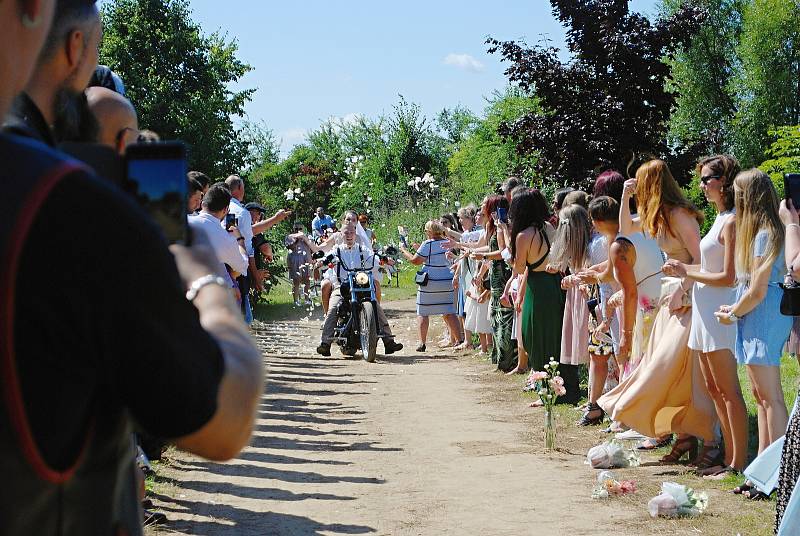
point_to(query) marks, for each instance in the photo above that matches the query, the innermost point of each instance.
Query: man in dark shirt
(66, 64)
(72, 349)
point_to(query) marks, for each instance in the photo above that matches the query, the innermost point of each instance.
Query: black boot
(324, 349)
(390, 346)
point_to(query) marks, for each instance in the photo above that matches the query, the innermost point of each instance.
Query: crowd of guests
(620, 280)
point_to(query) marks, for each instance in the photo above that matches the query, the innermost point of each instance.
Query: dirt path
(410, 445)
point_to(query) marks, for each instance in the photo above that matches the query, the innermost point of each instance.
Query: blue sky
(317, 59)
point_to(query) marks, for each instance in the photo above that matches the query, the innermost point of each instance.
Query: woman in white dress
(713, 286)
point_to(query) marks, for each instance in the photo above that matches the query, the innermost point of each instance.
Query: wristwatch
(204, 281)
(732, 316)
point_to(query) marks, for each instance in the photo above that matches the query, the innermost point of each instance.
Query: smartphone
(502, 214)
(791, 188)
(230, 221)
(155, 173)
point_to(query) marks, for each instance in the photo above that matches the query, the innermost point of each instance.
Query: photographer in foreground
(71, 353)
(352, 255)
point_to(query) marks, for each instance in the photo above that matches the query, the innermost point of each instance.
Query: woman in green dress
(543, 304)
(504, 351)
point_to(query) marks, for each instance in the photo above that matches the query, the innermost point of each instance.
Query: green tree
(783, 155)
(701, 75)
(768, 88)
(484, 158)
(178, 79)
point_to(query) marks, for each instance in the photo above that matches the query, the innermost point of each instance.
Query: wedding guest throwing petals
(761, 331)
(714, 279)
(435, 295)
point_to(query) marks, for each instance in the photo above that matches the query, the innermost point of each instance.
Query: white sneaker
(630, 434)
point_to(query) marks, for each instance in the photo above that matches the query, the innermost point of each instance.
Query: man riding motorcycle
(352, 255)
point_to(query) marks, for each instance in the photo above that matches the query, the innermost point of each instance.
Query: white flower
(297, 190)
(289, 194)
(410, 183)
(458, 204)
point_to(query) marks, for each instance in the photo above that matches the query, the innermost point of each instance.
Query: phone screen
(156, 175)
(502, 214)
(791, 188)
(230, 221)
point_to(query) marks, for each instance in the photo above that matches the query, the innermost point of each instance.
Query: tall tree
(178, 79)
(702, 72)
(768, 88)
(609, 103)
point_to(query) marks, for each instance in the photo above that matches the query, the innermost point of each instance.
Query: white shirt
(356, 257)
(224, 244)
(245, 224)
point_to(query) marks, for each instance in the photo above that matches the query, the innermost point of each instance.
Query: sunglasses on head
(705, 179)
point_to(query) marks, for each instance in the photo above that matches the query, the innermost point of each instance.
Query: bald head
(116, 117)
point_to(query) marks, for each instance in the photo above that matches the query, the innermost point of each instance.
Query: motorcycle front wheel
(368, 331)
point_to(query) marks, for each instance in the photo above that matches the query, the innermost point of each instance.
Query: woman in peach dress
(666, 393)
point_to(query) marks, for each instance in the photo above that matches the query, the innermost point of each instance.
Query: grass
(280, 305)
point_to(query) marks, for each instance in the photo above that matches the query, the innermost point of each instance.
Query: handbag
(790, 301)
(421, 278)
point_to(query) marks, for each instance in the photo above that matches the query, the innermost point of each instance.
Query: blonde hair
(470, 211)
(571, 245)
(657, 194)
(435, 229)
(756, 210)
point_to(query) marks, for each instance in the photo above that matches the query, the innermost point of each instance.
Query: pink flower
(537, 376)
(558, 380)
(560, 391)
(645, 302)
(628, 486)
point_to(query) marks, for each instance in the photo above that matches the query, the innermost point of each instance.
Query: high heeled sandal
(592, 421)
(710, 456)
(680, 448)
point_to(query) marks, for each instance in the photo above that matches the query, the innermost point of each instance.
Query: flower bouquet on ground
(608, 486)
(677, 501)
(549, 386)
(612, 454)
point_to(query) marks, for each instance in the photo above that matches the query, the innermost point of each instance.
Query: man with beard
(54, 98)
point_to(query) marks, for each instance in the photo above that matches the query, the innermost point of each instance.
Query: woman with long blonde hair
(666, 393)
(761, 331)
(571, 254)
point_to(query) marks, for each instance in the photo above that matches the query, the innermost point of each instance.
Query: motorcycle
(357, 315)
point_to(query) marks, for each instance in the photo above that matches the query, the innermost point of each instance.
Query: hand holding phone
(791, 189)
(230, 221)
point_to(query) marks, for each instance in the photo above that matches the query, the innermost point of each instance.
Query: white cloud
(291, 137)
(464, 61)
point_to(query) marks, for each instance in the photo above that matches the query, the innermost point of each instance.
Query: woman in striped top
(436, 296)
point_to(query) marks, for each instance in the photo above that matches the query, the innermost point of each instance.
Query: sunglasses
(707, 178)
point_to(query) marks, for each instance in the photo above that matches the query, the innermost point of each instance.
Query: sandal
(592, 421)
(740, 489)
(683, 446)
(653, 444)
(755, 495)
(710, 456)
(421, 348)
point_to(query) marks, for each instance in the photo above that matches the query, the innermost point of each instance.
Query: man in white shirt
(352, 255)
(245, 224)
(227, 245)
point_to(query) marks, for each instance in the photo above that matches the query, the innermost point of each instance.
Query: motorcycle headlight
(362, 278)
